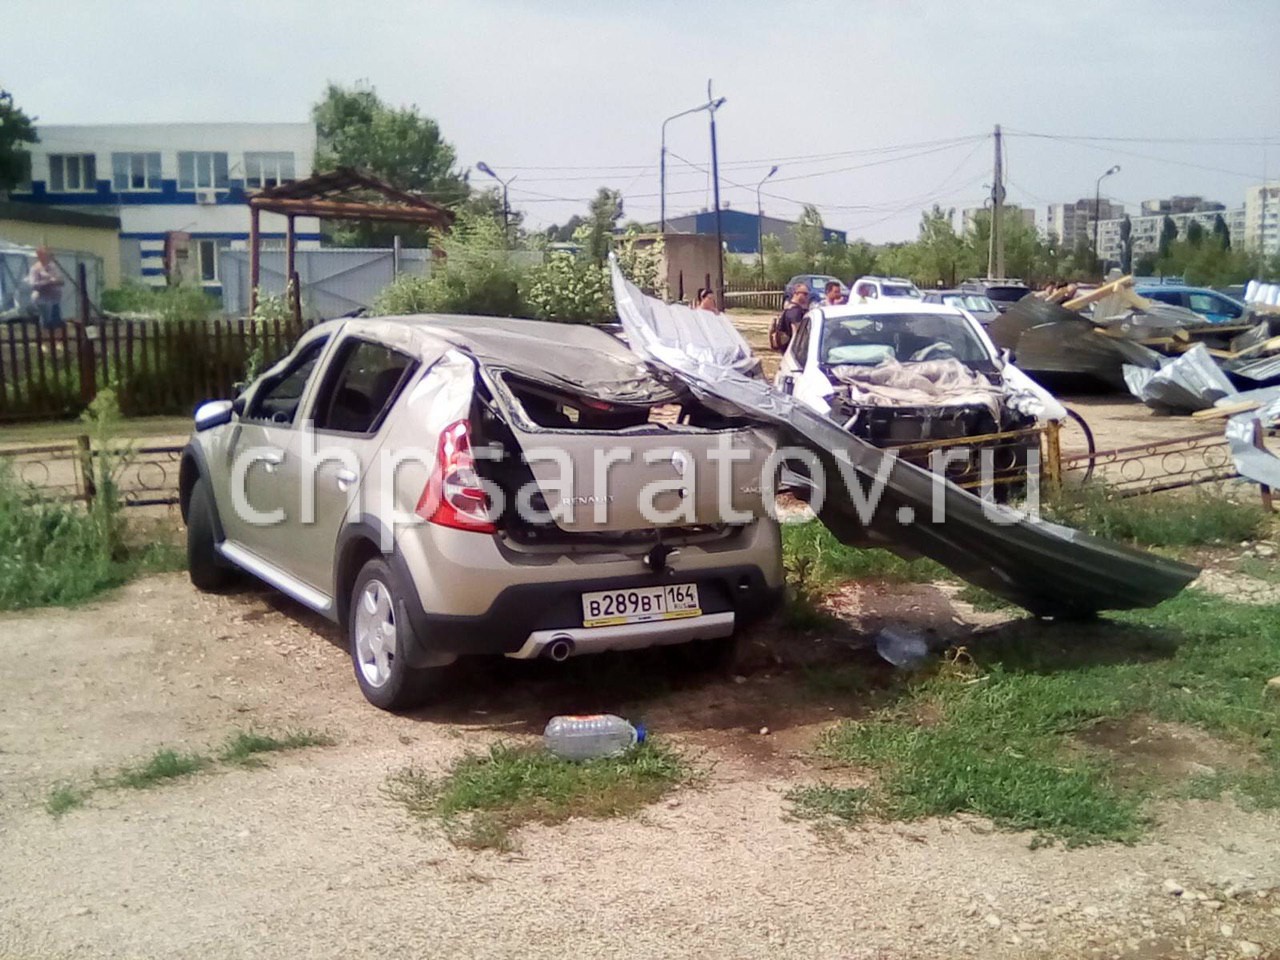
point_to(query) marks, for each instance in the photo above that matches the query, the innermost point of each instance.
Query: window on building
(267, 169)
(206, 260)
(72, 173)
(202, 170)
(135, 171)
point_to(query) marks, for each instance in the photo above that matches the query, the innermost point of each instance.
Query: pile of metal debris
(1167, 356)
(1046, 568)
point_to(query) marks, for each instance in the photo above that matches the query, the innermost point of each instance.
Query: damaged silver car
(442, 486)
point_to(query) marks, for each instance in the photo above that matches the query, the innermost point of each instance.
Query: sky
(871, 110)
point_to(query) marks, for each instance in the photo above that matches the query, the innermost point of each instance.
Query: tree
(564, 234)
(1195, 233)
(488, 203)
(1221, 232)
(16, 128)
(596, 234)
(809, 234)
(355, 128)
(1168, 234)
(1126, 245)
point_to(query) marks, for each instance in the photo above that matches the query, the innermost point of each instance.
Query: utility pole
(713, 105)
(995, 255)
(1097, 213)
(760, 223)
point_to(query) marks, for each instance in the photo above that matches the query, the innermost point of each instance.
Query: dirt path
(307, 858)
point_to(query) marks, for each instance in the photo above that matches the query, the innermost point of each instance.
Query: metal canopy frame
(341, 194)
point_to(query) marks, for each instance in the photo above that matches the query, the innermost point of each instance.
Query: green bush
(167, 303)
(477, 276)
(568, 289)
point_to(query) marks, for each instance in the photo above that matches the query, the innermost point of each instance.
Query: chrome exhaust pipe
(560, 649)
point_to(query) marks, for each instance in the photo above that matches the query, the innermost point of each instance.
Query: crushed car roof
(577, 357)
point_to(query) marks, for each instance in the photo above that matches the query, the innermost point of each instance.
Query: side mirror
(214, 413)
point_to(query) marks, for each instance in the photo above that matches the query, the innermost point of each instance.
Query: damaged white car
(909, 374)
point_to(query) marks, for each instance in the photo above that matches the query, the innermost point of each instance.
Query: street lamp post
(715, 105)
(1097, 206)
(760, 223)
(662, 156)
(506, 209)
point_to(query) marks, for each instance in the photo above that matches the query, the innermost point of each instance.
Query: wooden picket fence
(156, 366)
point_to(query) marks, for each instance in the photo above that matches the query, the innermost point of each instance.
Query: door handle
(344, 479)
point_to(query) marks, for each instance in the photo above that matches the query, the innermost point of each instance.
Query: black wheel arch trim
(192, 467)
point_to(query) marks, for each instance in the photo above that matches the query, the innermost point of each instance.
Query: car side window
(364, 381)
(1166, 296)
(276, 399)
(1207, 303)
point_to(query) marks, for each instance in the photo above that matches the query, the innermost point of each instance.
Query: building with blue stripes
(180, 190)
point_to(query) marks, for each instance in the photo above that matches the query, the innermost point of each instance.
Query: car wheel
(377, 637)
(206, 568)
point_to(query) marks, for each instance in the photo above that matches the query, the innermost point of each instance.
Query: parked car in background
(898, 372)
(817, 284)
(408, 526)
(1002, 293)
(976, 305)
(1213, 306)
(872, 288)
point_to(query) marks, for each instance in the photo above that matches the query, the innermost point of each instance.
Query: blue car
(1213, 306)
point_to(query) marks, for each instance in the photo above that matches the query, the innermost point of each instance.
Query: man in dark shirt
(784, 327)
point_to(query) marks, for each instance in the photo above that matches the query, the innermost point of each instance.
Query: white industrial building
(180, 189)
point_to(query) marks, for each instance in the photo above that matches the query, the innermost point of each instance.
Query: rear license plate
(672, 601)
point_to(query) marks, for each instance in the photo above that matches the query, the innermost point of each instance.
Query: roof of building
(345, 193)
(56, 216)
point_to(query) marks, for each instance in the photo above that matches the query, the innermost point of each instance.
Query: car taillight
(454, 496)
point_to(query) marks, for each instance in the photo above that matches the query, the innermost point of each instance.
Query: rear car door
(324, 471)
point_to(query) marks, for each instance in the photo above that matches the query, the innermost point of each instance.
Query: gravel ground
(307, 858)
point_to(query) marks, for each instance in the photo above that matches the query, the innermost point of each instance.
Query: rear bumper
(524, 618)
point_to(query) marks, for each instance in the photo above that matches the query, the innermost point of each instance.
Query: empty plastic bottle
(585, 737)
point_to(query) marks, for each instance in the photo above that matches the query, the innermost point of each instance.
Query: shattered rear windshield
(905, 337)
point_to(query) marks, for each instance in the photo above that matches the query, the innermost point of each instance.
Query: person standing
(706, 300)
(834, 297)
(784, 326)
(46, 291)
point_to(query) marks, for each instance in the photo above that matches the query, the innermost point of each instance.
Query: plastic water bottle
(586, 737)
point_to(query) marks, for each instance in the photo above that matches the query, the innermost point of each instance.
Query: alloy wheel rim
(375, 639)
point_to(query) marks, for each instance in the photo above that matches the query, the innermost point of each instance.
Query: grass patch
(984, 600)
(242, 748)
(161, 766)
(1160, 519)
(484, 797)
(64, 797)
(833, 562)
(55, 553)
(824, 803)
(245, 746)
(51, 553)
(996, 738)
